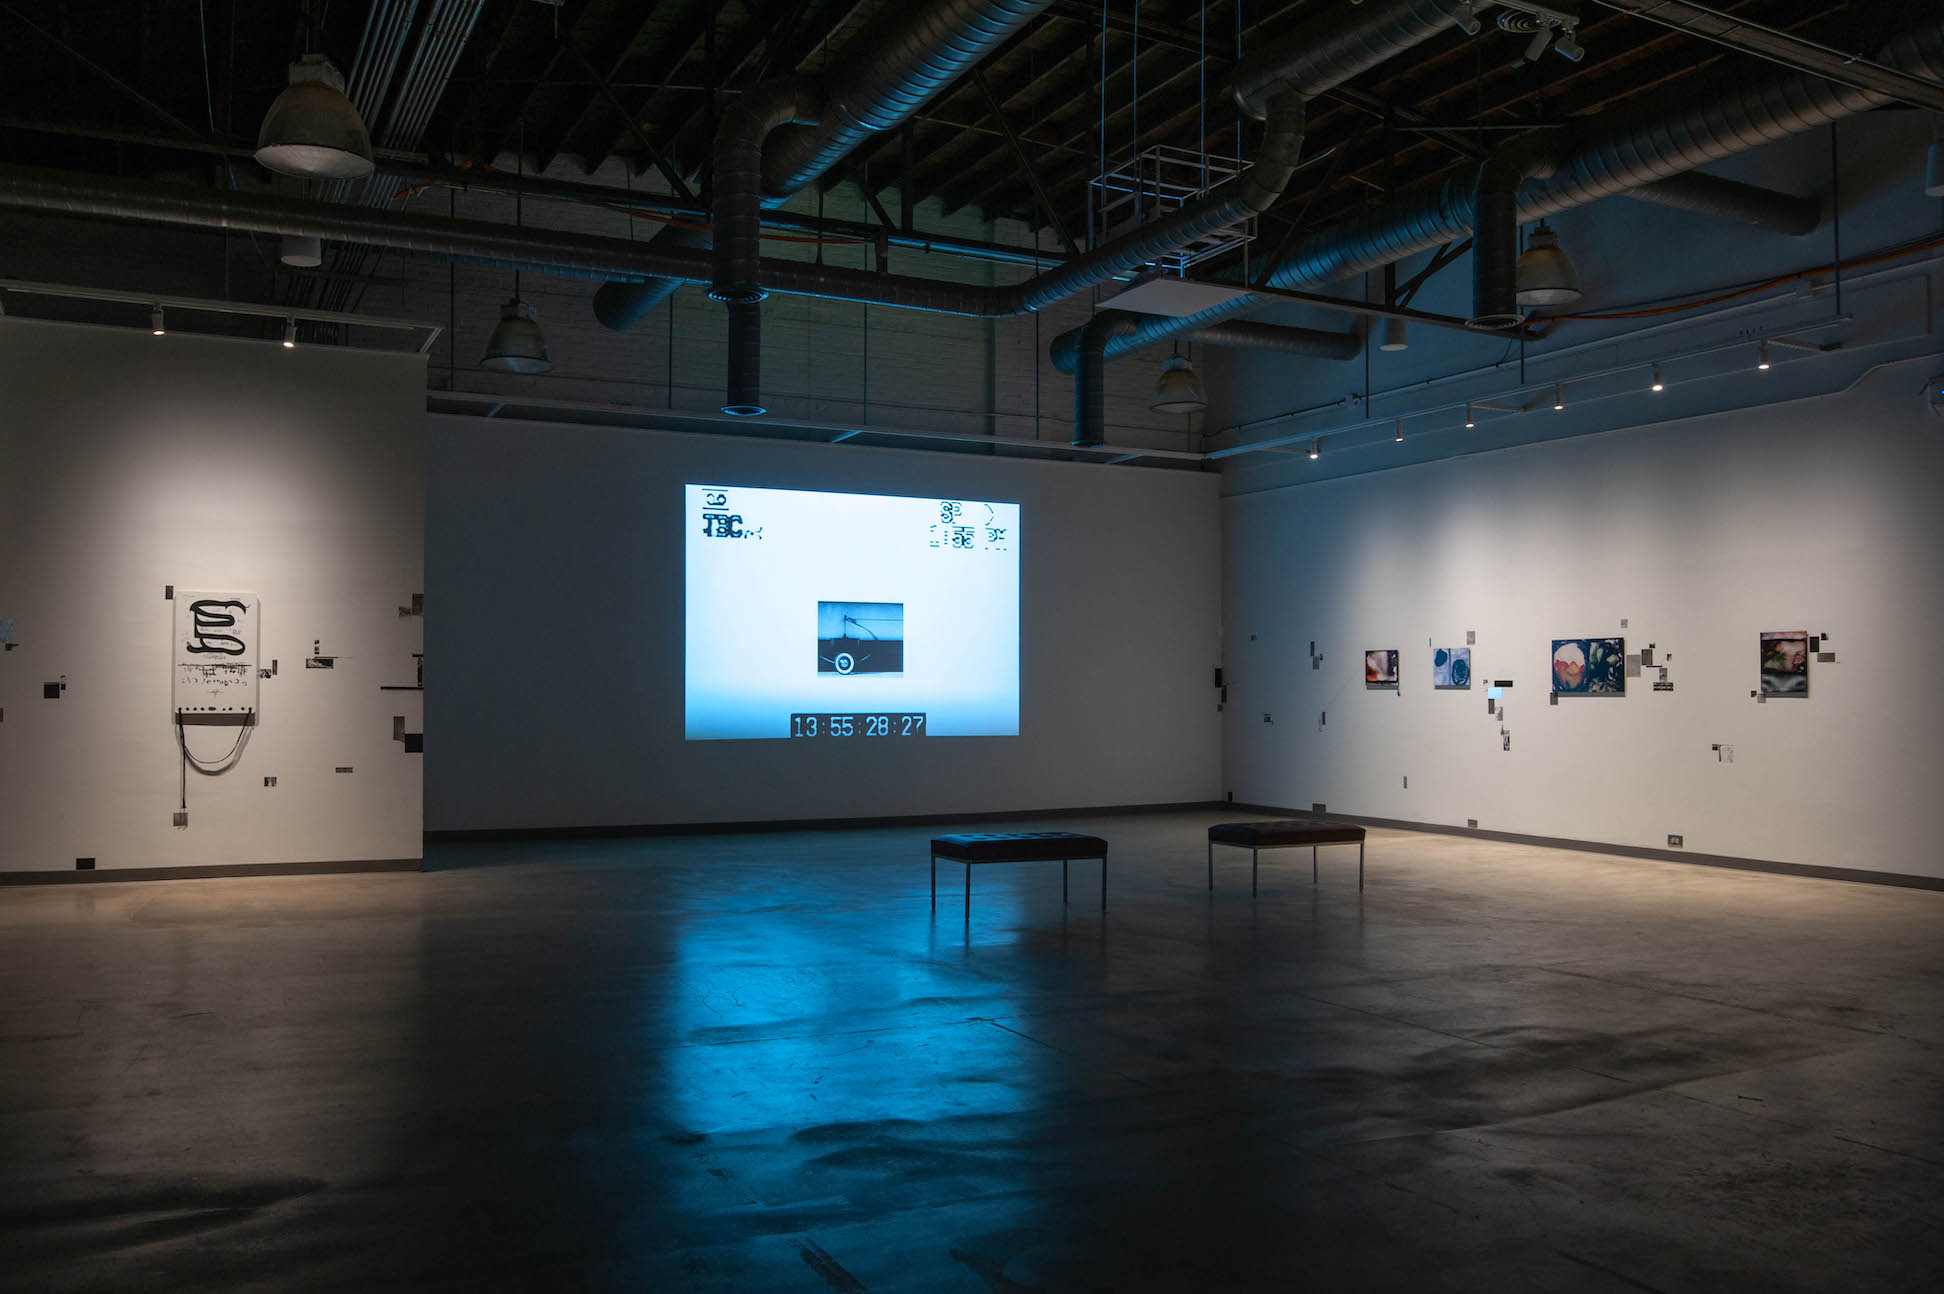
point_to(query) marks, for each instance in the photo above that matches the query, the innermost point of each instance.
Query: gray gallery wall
(129, 463)
(1821, 515)
(555, 632)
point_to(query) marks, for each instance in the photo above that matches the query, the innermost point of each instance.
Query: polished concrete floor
(761, 1063)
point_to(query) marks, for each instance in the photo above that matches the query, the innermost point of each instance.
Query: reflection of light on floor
(783, 1023)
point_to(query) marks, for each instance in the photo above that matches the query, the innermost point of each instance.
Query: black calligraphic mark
(210, 616)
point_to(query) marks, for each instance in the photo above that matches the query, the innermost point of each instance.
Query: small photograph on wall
(1451, 667)
(1589, 666)
(1380, 668)
(1785, 663)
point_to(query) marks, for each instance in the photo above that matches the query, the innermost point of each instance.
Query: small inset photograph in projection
(1380, 668)
(1785, 663)
(860, 637)
(1589, 666)
(1451, 667)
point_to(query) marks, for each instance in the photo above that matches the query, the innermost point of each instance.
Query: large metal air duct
(888, 71)
(1615, 153)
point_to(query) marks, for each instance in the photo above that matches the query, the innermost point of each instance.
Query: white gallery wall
(555, 637)
(1694, 536)
(129, 463)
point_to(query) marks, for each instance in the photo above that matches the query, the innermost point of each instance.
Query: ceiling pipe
(1614, 154)
(1712, 195)
(760, 155)
(1495, 244)
(1089, 387)
(888, 71)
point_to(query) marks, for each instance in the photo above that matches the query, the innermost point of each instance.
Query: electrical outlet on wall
(1674, 841)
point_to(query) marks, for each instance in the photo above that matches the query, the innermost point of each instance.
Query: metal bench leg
(1360, 845)
(934, 882)
(968, 891)
(1211, 866)
(1252, 869)
(1103, 882)
(1312, 864)
(1063, 882)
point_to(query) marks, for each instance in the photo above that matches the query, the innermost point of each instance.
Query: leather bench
(1277, 834)
(1017, 847)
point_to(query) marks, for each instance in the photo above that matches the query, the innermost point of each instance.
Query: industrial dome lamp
(517, 344)
(1545, 275)
(312, 131)
(1179, 388)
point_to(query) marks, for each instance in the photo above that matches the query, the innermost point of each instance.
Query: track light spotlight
(155, 321)
(1658, 384)
(1316, 448)
(1568, 46)
(1559, 396)
(1470, 421)
(1537, 47)
(290, 334)
(1762, 358)
(1467, 19)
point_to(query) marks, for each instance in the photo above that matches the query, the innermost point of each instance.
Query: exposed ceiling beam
(1789, 50)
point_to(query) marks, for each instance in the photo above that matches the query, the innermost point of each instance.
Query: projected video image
(860, 638)
(849, 616)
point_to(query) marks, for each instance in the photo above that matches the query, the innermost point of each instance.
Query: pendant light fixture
(290, 334)
(1545, 275)
(1659, 385)
(155, 321)
(312, 131)
(1316, 448)
(517, 344)
(1179, 389)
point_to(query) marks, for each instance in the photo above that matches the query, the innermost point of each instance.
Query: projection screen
(849, 617)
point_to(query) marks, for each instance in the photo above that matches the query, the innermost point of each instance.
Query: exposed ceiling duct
(1276, 83)
(1613, 154)
(892, 68)
(1713, 195)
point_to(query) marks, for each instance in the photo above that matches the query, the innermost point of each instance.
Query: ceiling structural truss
(1257, 153)
(1751, 37)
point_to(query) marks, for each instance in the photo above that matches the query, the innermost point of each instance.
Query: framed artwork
(1589, 666)
(1451, 667)
(1380, 668)
(215, 657)
(1785, 663)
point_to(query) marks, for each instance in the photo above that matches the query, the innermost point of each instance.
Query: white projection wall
(561, 640)
(831, 616)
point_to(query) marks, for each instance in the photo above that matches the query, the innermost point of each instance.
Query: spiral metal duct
(1617, 153)
(897, 63)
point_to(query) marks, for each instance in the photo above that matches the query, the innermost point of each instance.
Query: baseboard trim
(207, 871)
(488, 835)
(1853, 874)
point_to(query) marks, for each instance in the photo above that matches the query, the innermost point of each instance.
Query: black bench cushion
(1287, 831)
(1017, 846)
